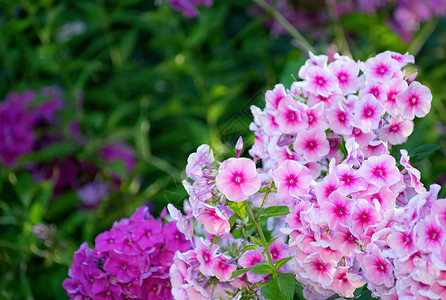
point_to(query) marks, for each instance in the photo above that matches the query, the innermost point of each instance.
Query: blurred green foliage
(165, 84)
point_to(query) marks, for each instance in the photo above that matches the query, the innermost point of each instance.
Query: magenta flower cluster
(354, 216)
(131, 261)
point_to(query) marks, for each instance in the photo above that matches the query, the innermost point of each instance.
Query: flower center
(311, 144)
(379, 172)
(341, 117)
(394, 128)
(340, 210)
(237, 178)
(414, 100)
(320, 80)
(342, 77)
(291, 115)
(368, 112)
(310, 119)
(382, 70)
(292, 180)
(320, 266)
(123, 266)
(381, 267)
(374, 92)
(433, 234)
(364, 217)
(177, 236)
(206, 257)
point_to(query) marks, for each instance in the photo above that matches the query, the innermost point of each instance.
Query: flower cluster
(335, 101)
(188, 7)
(132, 260)
(343, 212)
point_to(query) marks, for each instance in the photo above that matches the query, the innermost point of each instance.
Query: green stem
(338, 30)
(422, 37)
(287, 25)
(262, 236)
(261, 206)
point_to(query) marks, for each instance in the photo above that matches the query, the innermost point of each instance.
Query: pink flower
(248, 259)
(320, 81)
(381, 67)
(316, 118)
(279, 250)
(414, 101)
(397, 131)
(312, 144)
(345, 241)
(206, 256)
(377, 269)
(214, 220)
(362, 138)
(198, 160)
(429, 235)
(182, 222)
(345, 283)
(395, 87)
(291, 116)
(318, 269)
(380, 170)
(374, 88)
(323, 189)
(349, 179)
(368, 112)
(339, 119)
(347, 74)
(292, 180)
(439, 209)
(237, 179)
(401, 242)
(363, 216)
(337, 210)
(274, 97)
(223, 268)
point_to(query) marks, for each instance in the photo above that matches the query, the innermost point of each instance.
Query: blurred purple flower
(92, 193)
(120, 151)
(19, 116)
(188, 7)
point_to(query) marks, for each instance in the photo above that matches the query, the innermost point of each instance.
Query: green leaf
(262, 269)
(238, 208)
(258, 241)
(273, 211)
(232, 219)
(280, 287)
(214, 240)
(423, 152)
(282, 262)
(244, 270)
(272, 241)
(249, 247)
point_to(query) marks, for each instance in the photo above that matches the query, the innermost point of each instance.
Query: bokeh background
(102, 102)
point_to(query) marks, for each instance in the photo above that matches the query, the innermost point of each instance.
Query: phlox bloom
(377, 269)
(237, 179)
(312, 144)
(368, 112)
(292, 180)
(414, 101)
(337, 210)
(380, 170)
